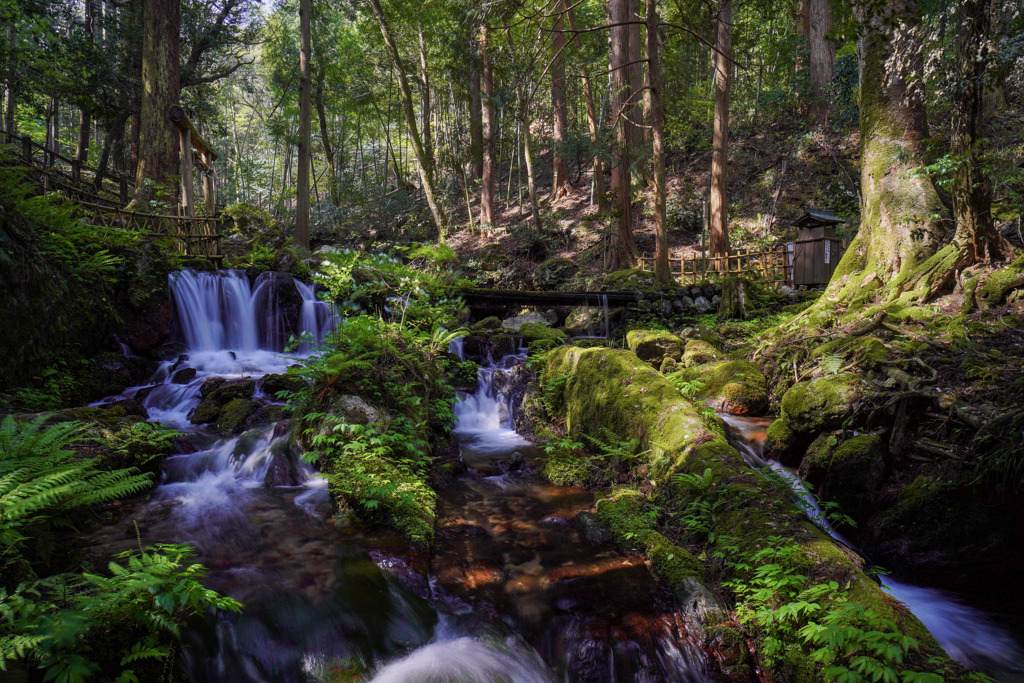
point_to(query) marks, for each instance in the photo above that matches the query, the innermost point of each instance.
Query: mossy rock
(492, 322)
(604, 392)
(230, 390)
(530, 332)
(821, 403)
(540, 346)
(554, 272)
(779, 440)
(654, 346)
(493, 258)
(233, 415)
(849, 472)
(288, 261)
(273, 383)
(566, 469)
(702, 332)
(699, 352)
(634, 278)
(206, 412)
(737, 387)
(503, 344)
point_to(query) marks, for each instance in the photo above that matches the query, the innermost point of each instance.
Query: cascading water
(506, 543)
(968, 635)
(515, 593)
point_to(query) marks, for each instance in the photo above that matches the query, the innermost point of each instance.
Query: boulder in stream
(654, 346)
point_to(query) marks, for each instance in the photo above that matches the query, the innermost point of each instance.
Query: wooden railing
(192, 235)
(54, 171)
(773, 266)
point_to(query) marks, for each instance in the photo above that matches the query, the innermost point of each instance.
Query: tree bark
(560, 169)
(976, 236)
(662, 269)
(426, 168)
(531, 183)
(489, 161)
(303, 162)
(621, 248)
(822, 55)
(158, 162)
(901, 213)
(592, 125)
(8, 103)
(720, 145)
(476, 124)
(325, 138)
(425, 106)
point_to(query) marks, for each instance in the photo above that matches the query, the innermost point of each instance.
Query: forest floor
(774, 174)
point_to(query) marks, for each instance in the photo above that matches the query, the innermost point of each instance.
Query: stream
(511, 591)
(969, 635)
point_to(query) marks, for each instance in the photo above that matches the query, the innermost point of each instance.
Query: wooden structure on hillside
(817, 250)
(809, 261)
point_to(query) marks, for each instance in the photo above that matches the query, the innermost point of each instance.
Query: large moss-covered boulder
(518, 321)
(531, 332)
(808, 409)
(233, 415)
(849, 471)
(654, 346)
(699, 352)
(634, 278)
(737, 387)
(554, 272)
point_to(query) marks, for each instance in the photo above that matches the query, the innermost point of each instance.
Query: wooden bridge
(101, 197)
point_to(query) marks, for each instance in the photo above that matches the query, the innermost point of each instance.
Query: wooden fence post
(209, 186)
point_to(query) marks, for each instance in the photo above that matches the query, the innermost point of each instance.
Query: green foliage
(59, 624)
(40, 480)
(140, 443)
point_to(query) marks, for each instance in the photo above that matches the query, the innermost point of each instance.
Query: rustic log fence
(100, 198)
(773, 266)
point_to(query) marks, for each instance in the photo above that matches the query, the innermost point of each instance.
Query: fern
(832, 363)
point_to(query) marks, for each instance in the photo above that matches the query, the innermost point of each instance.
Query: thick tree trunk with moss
(157, 170)
(662, 269)
(489, 121)
(720, 146)
(901, 226)
(621, 247)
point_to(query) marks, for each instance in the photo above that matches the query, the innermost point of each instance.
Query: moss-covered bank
(602, 389)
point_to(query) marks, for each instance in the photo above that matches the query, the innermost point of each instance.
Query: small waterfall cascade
(969, 635)
(583, 610)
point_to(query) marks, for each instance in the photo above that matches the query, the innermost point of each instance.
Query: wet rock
(847, 471)
(808, 409)
(266, 415)
(234, 414)
(209, 385)
(128, 407)
(282, 470)
(512, 463)
(518, 321)
(531, 332)
(736, 387)
(554, 272)
(356, 410)
(591, 528)
(278, 305)
(206, 412)
(702, 305)
(146, 330)
(492, 322)
(142, 393)
(183, 376)
(679, 305)
(271, 384)
(231, 389)
(664, 307)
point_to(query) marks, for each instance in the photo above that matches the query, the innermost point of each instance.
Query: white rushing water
(483, 419)
(967, 634)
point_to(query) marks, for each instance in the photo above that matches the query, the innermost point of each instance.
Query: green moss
(820, 403)
(234, 414)
(530, 332)
(566, 469)
(540, 346)
(699, 352)
(206, 412)
(779, 438)
(918, 314)
(554, 272)
(654, 346)
(849, 472)
(731, 386)
(996, 285)
(503, 344)
(635, 278)
(489, 323)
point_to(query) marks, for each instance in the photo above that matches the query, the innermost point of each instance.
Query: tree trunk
(720, 145)
(425, 107)
(662, 269)
(8, 103)
(976, 237)
(84, 136)
(158, 159)
(621, 248)
(325, 138)
(592, 125)
(822, 54)
(901, 214)
(560, 169)
(303, 162)
(426, 168)
(488, 118)
(476, 124)
(531, 184)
